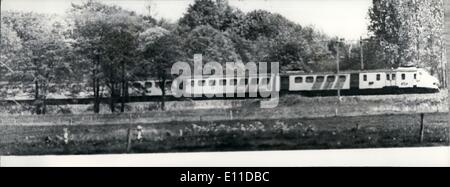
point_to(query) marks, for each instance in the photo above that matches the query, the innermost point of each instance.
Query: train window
(364, 77)
(53, 88)
(388, 77)
(201, 82)
(148, 84)
(342, 78)
(309, 79)
(378, 77)
(192, 83)
(298, 79)
(212, 82)
(320, 78)
(331, 78)
(169, 83)
(243, 82)
(137, 85)
(415, 76)
(223, 82)
(233, 82)
(393, 77)
(403, 76)
(254, 81)
(181, 85)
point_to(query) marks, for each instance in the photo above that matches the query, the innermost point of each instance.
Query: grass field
(235, 135)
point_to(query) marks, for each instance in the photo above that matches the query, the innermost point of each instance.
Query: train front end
(427, 81)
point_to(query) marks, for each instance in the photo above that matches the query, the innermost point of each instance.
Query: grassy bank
(230, 135)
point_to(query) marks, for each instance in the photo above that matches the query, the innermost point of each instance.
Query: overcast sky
(343, 18)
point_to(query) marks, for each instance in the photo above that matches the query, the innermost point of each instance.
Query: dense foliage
(410, 32)
(105, 46)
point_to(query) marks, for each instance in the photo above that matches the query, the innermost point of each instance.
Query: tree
(410, 32)
(212, 44)
(10, 46)
(261, 23)
(217, 14)
(107, 38)
(43, 53)
(160, 49)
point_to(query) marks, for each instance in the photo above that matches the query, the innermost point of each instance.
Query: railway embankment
(289, 107)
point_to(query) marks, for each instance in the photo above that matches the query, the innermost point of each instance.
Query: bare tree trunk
(36, 97)
(44, 105)
(96, 86)
(111, 98)
(122, 97)
(163, 90)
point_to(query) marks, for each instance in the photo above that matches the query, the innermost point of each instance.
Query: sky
(343, 18)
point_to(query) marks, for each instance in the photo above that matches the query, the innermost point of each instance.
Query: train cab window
(393, 77)
(223, 82)
(342, 78)
(320, 78)
(364, 77)
(378, 77)
(254, 81)
(298, 79)
(201, 82)
(169, 83)
(309, 79)
(403, 76)
(388, 77)
(137, 85)
(148, 84)
(212, 82)
(415, 76)
(331, 78)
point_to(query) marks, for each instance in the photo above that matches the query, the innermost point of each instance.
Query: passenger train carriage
(401, 80)
(384, 81)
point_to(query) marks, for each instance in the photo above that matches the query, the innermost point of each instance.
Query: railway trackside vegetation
(230, 135)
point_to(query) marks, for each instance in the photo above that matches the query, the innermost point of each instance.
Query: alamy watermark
(240, 80)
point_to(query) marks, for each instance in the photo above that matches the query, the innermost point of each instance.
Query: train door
(354, 81)
(284, 83)
(388, 79)
(391, 79)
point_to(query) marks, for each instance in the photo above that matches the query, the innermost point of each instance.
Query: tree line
(106, 46)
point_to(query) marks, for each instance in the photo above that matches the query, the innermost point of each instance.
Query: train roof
(402, 69)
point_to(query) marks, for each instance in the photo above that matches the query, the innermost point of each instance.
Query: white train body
(230, 86)
(401, 78)
(379, 80)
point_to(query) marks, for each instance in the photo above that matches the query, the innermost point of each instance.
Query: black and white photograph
(145, 77)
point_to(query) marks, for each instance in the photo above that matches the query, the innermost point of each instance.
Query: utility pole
(443, 66)
(337, 67)
(336, 112)
(362, 53)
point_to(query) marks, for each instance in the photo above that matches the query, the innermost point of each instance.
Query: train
(383, 81)
(401, 80)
